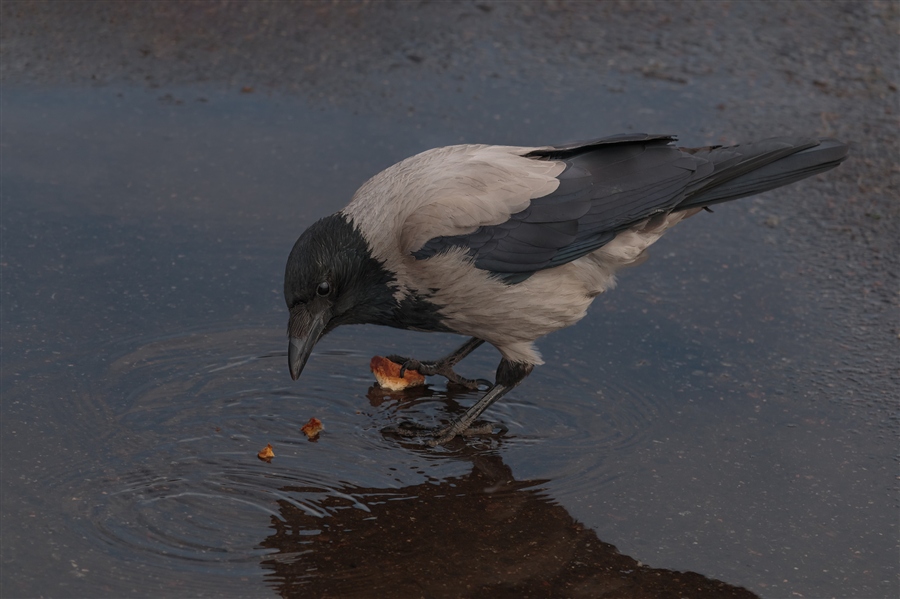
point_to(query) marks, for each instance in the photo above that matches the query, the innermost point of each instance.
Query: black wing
(612, 183)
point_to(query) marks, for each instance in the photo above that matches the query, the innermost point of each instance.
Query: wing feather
(516, 211)
(605, 187)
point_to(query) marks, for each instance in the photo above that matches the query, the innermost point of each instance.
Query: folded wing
(608, 185)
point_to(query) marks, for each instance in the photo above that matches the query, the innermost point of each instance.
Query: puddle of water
(144, 366)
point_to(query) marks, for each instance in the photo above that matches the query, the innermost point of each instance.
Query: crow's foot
(442, 368)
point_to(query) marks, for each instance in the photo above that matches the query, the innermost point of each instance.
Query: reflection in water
(357, 514)
(170, 492)
(483, 534)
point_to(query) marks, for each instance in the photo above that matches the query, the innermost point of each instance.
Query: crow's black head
(331, 279)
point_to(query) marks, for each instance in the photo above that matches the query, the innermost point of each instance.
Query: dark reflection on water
(178, 481)
(482, 534)
(169, 491)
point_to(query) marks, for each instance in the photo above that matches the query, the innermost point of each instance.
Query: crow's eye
(324, 288)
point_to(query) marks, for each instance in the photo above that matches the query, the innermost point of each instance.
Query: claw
(423, 368)
(440, 367)
(444, 366)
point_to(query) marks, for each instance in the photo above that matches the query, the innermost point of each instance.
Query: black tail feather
(754, 168)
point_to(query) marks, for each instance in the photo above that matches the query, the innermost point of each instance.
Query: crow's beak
(302, 345)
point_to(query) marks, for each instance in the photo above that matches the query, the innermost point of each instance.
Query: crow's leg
(444, 366)
(509, 374)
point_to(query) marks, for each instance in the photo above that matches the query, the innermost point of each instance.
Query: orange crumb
(387, 373)
(266, 454)
(312, 428)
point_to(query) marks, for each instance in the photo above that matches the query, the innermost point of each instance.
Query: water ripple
(172, 480)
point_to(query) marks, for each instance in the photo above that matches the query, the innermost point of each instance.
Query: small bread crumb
(387, 373)
(312, 428)
(266, 454)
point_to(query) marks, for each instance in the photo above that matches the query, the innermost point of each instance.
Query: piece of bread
(266, 454)
(312, 428)
(387, 373)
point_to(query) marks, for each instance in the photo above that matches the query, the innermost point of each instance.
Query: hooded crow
(506, 244)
